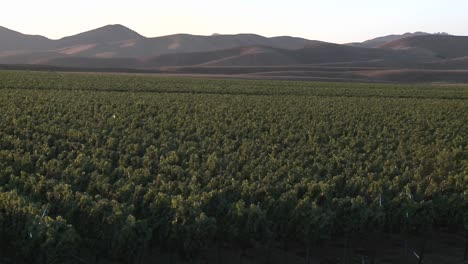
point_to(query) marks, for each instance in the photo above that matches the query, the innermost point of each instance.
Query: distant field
(108, 168)
(333, 72)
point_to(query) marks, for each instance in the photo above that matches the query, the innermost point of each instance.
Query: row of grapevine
(114, 166)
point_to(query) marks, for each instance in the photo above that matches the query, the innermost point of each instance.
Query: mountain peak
(115, 27)
(105, 34)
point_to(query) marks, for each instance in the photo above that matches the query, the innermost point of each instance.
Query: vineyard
(102, 167)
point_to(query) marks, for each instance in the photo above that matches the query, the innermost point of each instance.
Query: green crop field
(98, 167)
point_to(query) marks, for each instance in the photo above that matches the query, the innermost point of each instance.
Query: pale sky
(337, 21)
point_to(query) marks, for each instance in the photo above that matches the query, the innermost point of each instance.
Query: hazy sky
(329, 20)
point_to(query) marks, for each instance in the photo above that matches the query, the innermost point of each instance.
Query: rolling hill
(406, 57)
(313, 54)
(12, 41)
(449, 64)
(377, 42)
(106, 34)
(440, 46)
(184, 43)
(117, 41)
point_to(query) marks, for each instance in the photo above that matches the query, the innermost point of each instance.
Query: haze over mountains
(115, 46)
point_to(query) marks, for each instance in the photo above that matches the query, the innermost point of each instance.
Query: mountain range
(117, 41)
(116, 46)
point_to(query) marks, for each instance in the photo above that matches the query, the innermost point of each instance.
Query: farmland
(98, 167)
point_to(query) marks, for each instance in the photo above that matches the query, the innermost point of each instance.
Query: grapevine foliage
(114, 165)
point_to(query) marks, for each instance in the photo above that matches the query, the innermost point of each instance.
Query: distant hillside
(39, 57)
(116, 46)
(440, 46)
(106, 34)
(243, 56)
(316, 54)
(117, 41)
(376, 42)
(449, 64)
(13, 41)
(183, 43)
